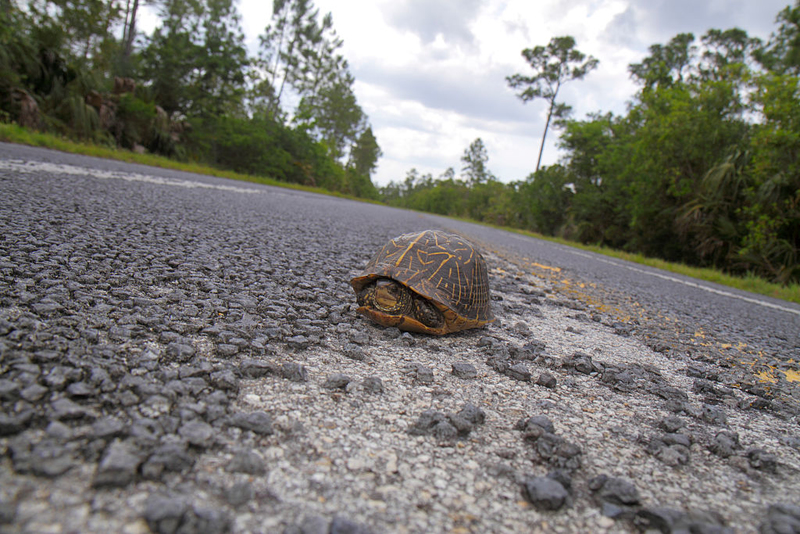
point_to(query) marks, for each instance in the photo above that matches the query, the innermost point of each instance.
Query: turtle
(430, 282)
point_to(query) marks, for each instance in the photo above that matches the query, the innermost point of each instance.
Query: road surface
(182, 353)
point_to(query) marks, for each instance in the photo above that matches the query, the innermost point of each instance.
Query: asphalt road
(766, 325)
(139, 308)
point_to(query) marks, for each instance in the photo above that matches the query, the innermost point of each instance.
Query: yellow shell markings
(409, 247)
(449, 259)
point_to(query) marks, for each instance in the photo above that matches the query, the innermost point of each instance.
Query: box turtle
(430, 282)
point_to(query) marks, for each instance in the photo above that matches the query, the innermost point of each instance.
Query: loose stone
(725, 444)
(677, 439)
(782, 519)
(14, 424)
(179, 352)
(58, 430)
(341, 525)
(673, 455)
(580, 362)
(118, 466)
(670, 520)
(407, 339)
(473, 414)
(9, 390)
(197, 433)
(713, 415)
(544, 493)
(762, 460)
(65, 409)
(672, 424)
(614, 490)
(34, 392)
(464, 370)
(240, 493)
(447, 427)
(420, 373)
(539, 421)
(336, 381)
(80, 390)
(164, 515)
(372, 384)
(246, 462)
(8, 511)
(310, 524)
(547, 380)
(444, 431)
(294, 372)
(519, 372)
(259, 368)
(354, 352)
(298, 342)
(555, 450)
(258, 422)
(225, 380)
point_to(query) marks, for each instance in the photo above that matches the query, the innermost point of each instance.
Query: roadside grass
(15, 134)
(11, 133)
(751, 283)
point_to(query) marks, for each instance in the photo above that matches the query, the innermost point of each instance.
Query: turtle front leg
(427, 314)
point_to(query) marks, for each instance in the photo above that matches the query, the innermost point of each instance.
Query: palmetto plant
(711, 219)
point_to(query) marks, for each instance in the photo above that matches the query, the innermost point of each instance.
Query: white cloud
(453, 69)
(431, 73)
(446, 19)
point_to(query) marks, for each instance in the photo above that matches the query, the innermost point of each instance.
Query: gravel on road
(187, 358)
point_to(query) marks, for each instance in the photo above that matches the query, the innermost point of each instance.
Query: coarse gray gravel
(181, 353)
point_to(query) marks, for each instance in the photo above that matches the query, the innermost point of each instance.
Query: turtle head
(387, 296)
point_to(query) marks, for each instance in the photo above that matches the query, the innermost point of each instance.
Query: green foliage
(18, 54)
(261, 147)
(546, 197)
(298, 52)
(195, 62)
(364, 155)
(281, 57)
(703, 168)
(781, 55)
(134, 118)
(772, 211)
(192, 90)
(687, 174)
(666, 65)
(474, 160)
(333, 115)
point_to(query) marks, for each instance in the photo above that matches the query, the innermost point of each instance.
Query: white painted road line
(676, 280)
(690, 284)
(37, 167)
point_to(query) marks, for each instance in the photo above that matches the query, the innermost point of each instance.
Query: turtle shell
(443, 268)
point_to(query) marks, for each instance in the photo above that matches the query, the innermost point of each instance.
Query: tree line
(703, 167)
(190, 89)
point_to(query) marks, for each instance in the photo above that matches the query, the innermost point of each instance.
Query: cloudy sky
(430, 74)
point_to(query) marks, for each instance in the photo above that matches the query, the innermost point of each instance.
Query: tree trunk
(544, 135)
(125, 25)
(547, 124)
(129, 32)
